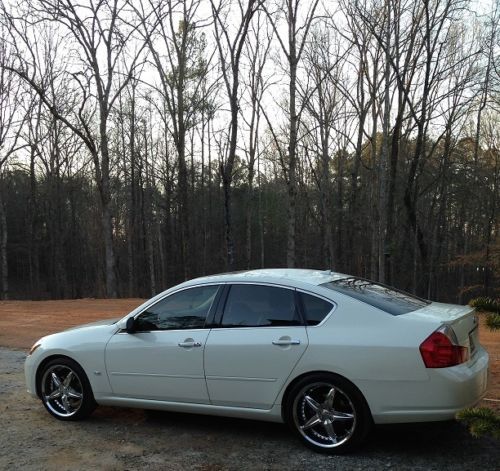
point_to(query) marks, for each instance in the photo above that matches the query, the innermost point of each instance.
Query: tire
(65, 390)
(328, 413)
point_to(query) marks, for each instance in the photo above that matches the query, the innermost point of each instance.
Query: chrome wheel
(62, 390)
(324, 415)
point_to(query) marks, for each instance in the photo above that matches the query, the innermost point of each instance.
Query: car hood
(94, 324)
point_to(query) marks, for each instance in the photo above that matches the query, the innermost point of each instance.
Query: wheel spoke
(314, 420)
(66, 404)
(73, 394)
(330, 397)
(337, 415)
(53, 395)
(68, 379)
(56, 380)
(327, 424)
(314, 405)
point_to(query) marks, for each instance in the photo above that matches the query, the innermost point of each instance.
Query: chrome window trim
(261, 283)
(161, 330)
(261, 327)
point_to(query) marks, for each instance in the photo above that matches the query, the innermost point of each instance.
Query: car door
(252, 351)
(163, 358)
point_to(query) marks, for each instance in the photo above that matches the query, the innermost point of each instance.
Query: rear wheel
(328, 413)
(65, 390)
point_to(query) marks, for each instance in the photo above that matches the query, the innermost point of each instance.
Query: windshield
(387, 299)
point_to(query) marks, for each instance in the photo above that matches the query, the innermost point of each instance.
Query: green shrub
(486, 304)
(493, 321)
(481, 421)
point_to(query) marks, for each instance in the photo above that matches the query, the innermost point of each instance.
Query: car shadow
(440, 439)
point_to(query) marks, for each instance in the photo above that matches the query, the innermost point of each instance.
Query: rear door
(252, 350)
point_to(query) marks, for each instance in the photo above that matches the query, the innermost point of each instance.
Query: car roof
(284, 276)
(292, 277)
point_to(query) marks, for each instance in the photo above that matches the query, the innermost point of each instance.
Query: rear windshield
(388, 299)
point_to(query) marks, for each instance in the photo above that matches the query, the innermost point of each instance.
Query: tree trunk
(132, 199)
(260, 217)
(4, 268)
(34, 268)
(352, 225)
(106, 216)
(292, 158)
(227, 171)
(384, 154)
(248, 218)
(226, 185)
(183, 177)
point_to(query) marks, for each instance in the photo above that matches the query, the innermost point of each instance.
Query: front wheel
(65, 390)
(328, 413)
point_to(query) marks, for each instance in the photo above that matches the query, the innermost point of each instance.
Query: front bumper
(30, 375)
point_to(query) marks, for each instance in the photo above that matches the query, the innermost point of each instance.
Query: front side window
(186, 309)
(387, 299)
(260, 306)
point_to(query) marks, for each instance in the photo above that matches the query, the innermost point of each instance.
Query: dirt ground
(24, 322)
(118, 438)
(491, 341)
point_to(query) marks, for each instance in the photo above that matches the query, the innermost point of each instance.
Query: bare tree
(292, 45)
(369, 143)
(13, 115)
(256, 52)
(325, 106)
(101, 34)
(177, 47)
(230, 37)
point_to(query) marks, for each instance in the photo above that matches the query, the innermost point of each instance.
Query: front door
(163, 359)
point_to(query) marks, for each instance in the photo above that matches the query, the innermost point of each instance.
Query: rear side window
(315, 309)
(260, 306)
(387, 299)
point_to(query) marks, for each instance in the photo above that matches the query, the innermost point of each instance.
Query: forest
(146, 142)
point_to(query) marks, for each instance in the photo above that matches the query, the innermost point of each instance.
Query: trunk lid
(462, 319)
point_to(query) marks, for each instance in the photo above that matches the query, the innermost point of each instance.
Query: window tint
(315, 309)
(387, 299)
(185, 309)
(260, 306)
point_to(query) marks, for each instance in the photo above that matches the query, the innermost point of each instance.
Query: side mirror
(130, 325)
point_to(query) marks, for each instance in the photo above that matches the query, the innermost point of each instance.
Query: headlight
(33, 348)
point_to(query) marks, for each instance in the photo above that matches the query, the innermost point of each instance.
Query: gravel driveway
(135, 439)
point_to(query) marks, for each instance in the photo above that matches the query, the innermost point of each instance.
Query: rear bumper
(447, 391)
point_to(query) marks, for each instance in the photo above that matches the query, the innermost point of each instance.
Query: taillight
(440, 349)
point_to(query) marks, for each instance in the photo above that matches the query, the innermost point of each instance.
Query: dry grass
(24, 322)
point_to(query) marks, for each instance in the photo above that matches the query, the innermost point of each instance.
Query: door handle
(284, 343)
(189, 344)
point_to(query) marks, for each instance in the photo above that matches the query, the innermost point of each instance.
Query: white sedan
(326, 353)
